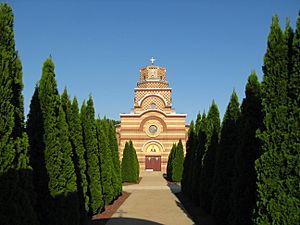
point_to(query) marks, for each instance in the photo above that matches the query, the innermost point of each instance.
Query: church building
(152, 125)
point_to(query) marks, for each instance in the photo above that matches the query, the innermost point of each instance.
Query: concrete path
(151, 202)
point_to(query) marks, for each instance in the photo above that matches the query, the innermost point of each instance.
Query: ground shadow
(196, 213)
(124, 220)
(188, 207)
(17, 197)
(129, 183)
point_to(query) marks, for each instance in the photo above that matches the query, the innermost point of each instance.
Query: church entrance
(153, 163)
(153, 150)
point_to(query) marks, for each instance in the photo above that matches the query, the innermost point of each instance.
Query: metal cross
(152, 60)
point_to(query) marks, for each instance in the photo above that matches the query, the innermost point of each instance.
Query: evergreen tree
(243, 195)
(76, 139)
(278, 166)
(177, 164)
(129, 166)
(170, 162)
(188, 162)
(57, 152)
(294, 81)
(16, 188)
(293, 153)
(68, 199)
(92, 156)
(35, 130)
(11, 71)
(198, 122)
(209, 157)
(136, 161)
(113, 143)
(201, 148)
(50, 102)
(195, 168)
(105, 162)
(224, 167)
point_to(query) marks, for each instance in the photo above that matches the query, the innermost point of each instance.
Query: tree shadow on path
(194, 212)
(124, 221)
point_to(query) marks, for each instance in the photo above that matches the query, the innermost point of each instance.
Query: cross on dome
(152, 60)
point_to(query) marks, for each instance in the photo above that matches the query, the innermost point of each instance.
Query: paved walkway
(151, 202)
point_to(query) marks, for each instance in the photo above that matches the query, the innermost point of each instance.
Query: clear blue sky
(208, 47)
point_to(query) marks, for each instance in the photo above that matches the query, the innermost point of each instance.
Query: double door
(153, 163)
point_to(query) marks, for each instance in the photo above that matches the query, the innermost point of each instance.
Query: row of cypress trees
(175, 162)
(76, 167)
(278, 168)
(63, 166)
(16, 188)
(246, 171)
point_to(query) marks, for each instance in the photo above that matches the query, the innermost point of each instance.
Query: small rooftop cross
(152, 60)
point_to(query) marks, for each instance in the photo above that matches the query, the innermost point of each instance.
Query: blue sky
(208, 47)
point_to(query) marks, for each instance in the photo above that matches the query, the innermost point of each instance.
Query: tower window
(152, 106)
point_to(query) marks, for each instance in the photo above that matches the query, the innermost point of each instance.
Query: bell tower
(153, 91)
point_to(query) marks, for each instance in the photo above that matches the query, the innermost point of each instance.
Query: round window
(152, 106)
(153, 129)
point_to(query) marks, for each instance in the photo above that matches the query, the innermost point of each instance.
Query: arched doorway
(153, 150)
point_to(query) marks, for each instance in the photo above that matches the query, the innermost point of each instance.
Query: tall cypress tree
(197, 123)
(243, 195)
(68, 199)
(127, 168)
(293, 153)
(115, 181)
(16, 190)
(92, 156)
(170, 162)
(136, 161)
(201, 148)
(294, 81)
(105, 162)
(224, 168)
(195, 168)
(177, 165)
(188, 162)
(57, 152)
(129, 164)
(209, 158)
(75, 136)
(278, 166)
(50, 102)
(35, 130)
(113, 143)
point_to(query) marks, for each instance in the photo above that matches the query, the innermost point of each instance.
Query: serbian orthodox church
(153, 124)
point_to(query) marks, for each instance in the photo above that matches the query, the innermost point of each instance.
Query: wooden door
(153, 163)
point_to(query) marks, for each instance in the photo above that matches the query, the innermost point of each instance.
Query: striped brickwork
(153, 126)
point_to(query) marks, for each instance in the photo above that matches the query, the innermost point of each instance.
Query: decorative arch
(146, 103)
(162, 122)
(154, 110)
(157, 145)
(152, 95)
